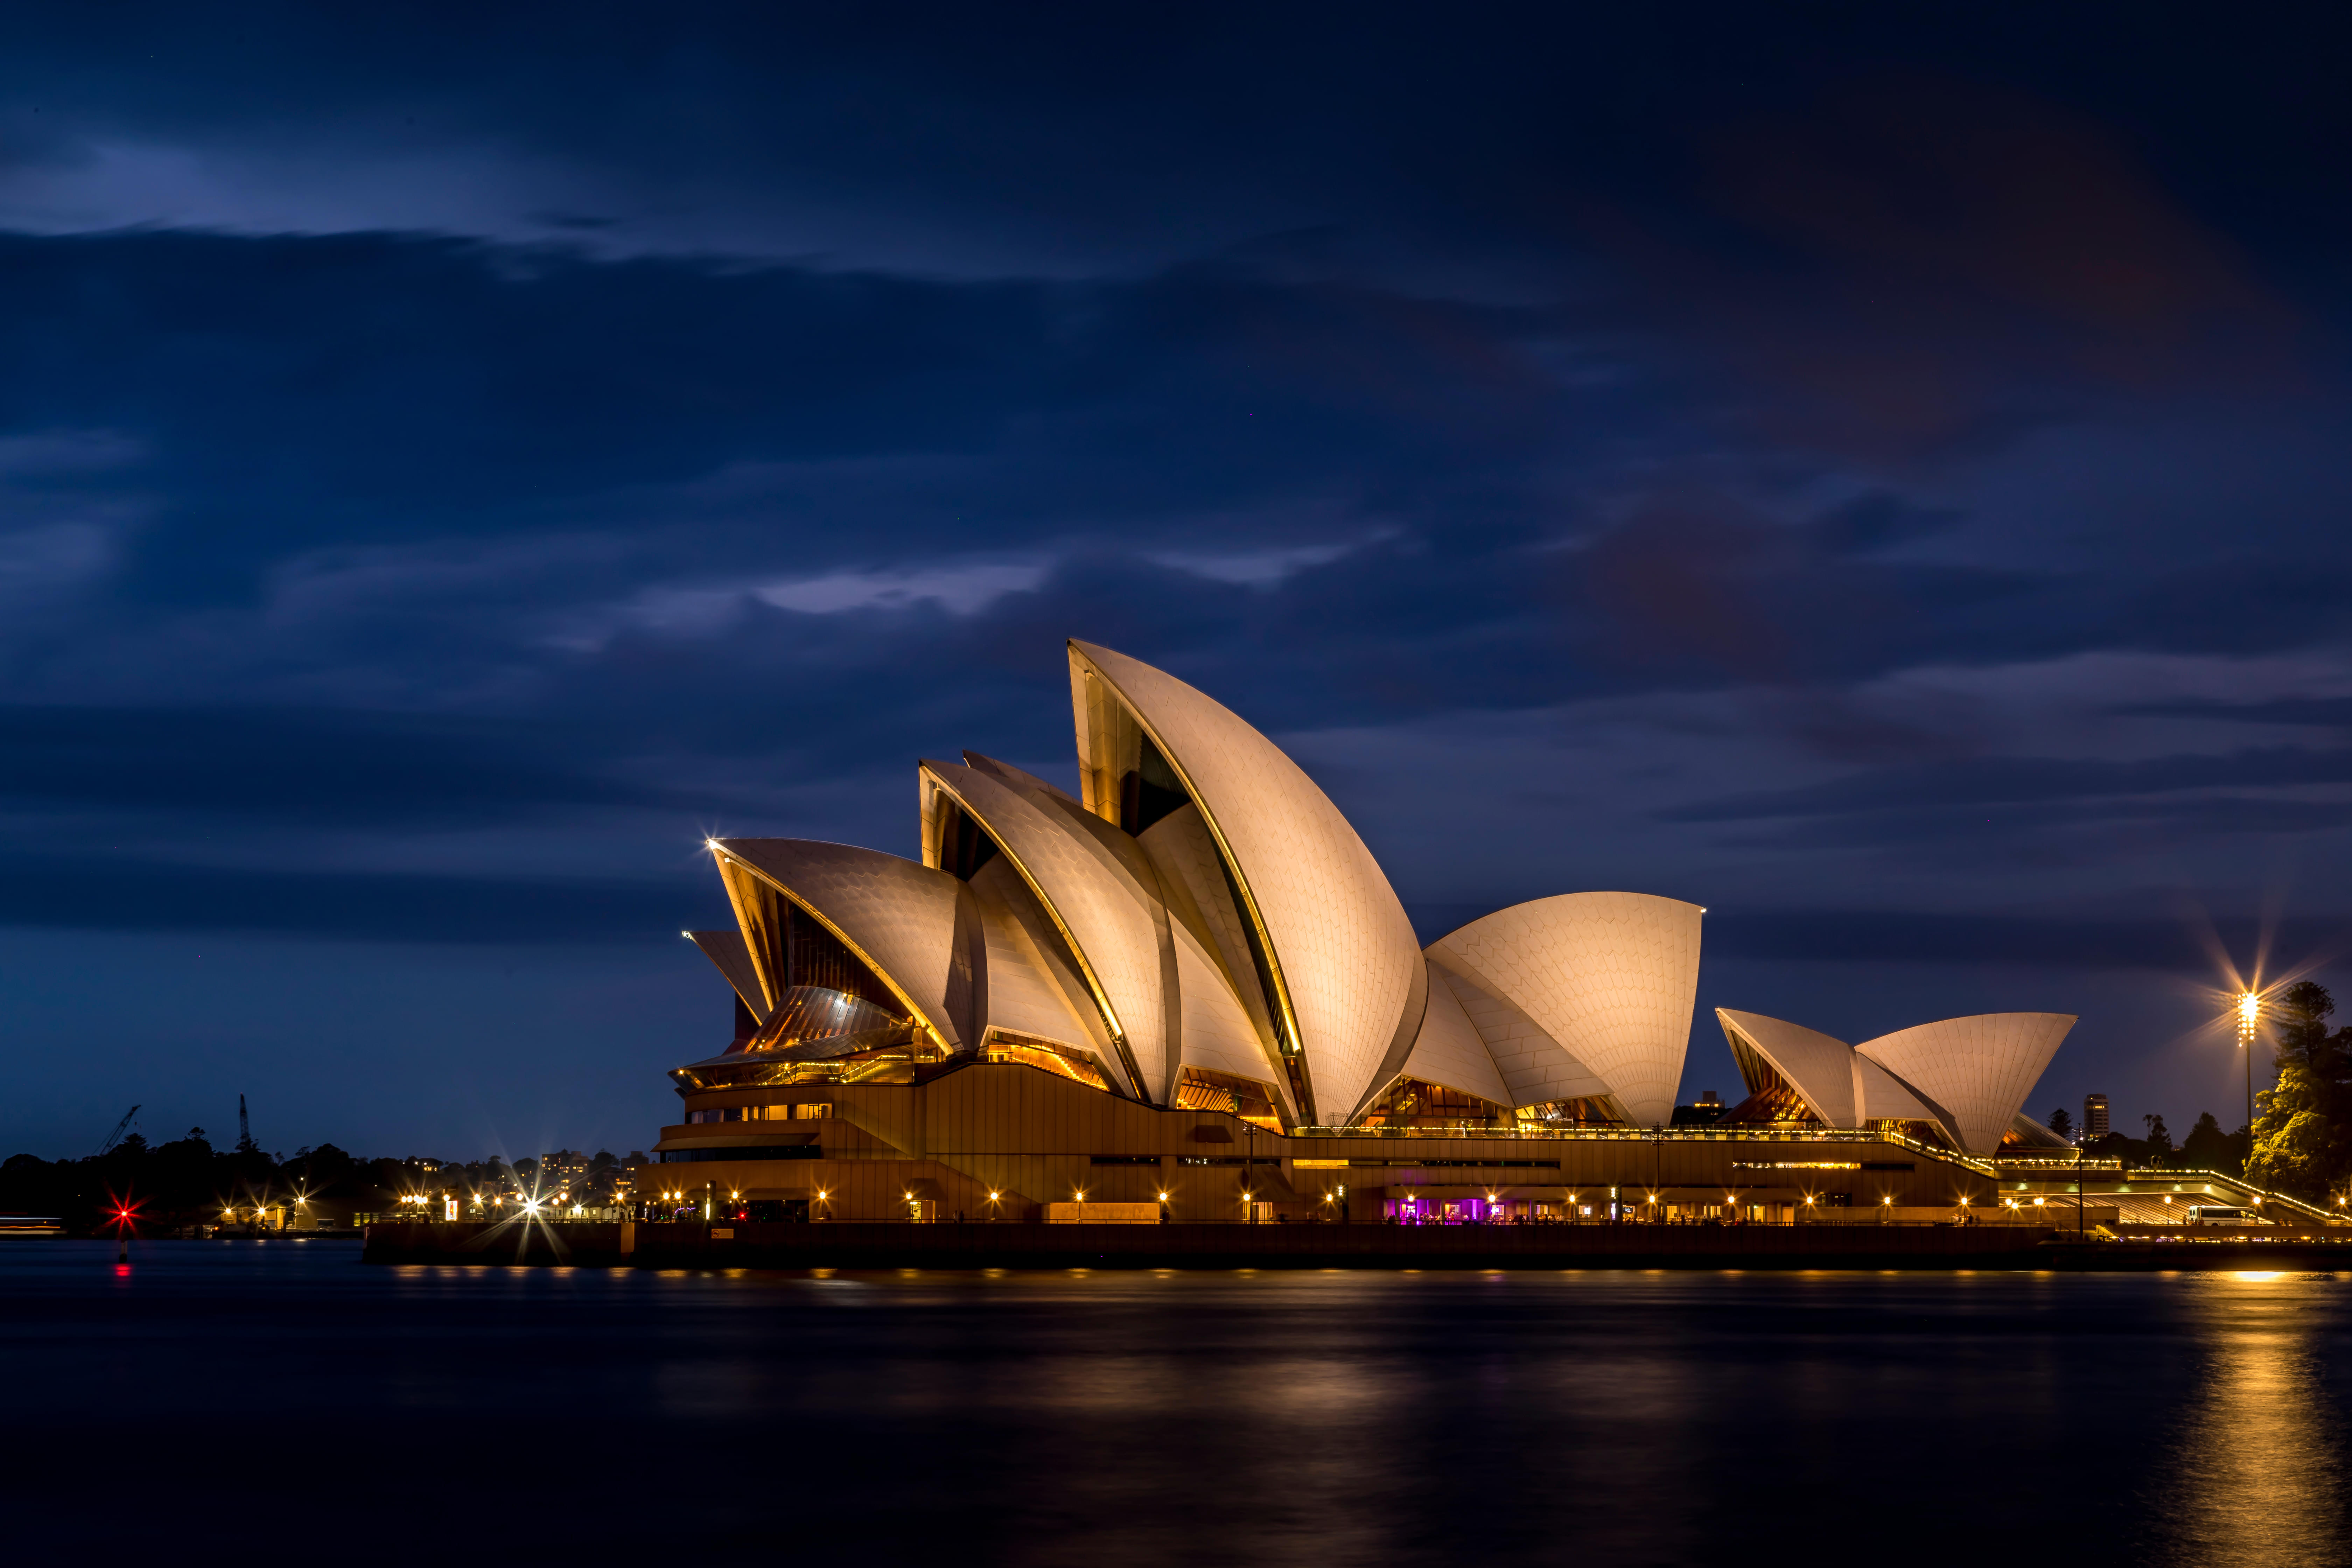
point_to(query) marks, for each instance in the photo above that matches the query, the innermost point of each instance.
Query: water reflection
(1264, 1420)
(2256, 1476)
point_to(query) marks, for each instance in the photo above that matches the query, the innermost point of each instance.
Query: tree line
(2207, 1148)
(186, 1181)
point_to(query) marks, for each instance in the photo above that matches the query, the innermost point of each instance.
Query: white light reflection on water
(2256, 1475)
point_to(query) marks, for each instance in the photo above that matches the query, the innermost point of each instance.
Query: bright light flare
(124, 1218)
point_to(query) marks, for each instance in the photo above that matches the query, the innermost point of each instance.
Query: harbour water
(281, 1397)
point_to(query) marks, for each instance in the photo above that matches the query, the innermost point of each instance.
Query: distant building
(565, 1170)
(1710, 1111)
(2095, 1117)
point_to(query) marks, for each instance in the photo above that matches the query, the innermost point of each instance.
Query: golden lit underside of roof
(1776, 1104)
(813, 1022)
(1199, 1089)
(1051, 1056)
(1412, 1102)
(811, 1028)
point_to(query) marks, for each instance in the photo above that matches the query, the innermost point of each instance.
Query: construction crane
(244, 1129)
(116, 1136)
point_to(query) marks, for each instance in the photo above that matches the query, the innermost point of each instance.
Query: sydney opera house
(1190, 994)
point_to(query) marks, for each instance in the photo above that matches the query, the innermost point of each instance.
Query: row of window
(742, 1151)
(797, 1110)
(1330, 1164)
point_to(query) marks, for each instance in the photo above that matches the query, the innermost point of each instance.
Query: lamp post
(2249, 1011)
(2081, 1194)
(1657, 1154)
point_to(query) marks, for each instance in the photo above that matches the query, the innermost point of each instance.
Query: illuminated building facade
(1192, 986)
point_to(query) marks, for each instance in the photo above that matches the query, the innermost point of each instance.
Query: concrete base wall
(1046, 1246)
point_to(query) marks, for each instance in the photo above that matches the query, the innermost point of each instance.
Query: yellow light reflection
(2253, 1478)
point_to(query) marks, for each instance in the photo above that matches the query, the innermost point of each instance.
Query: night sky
(1884, 479)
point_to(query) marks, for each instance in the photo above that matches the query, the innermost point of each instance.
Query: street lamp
(2249, 1013)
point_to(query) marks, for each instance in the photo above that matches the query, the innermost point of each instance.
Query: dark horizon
(1882, 478)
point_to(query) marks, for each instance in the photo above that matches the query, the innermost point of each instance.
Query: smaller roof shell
(1610, 977)
(731, 955)
(1448, 1051)
(1843, 1088)
(899, 918)
(1979, 1068)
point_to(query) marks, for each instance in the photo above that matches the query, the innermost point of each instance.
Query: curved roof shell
(2033, 1134)
(1978, 1069)
(1016, 777)
(1105, 916)
(1610, 977)
(1535, 1069)
(731, 955)
(1449, 1050)
(1034, 989)
(1844, 1087)
(1346, 969)
(916, 929)
(1819, 1067)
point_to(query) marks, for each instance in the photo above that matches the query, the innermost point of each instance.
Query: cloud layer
(1887, 484)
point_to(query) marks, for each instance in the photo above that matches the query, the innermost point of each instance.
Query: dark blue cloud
(1877, 464)
(344, 767)
(2005, 781)
(124, 895)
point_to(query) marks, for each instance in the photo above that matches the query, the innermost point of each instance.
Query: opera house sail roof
(1200, 926)
(1964, 1080)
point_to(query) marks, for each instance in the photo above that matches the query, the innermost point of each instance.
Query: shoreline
(1026, 1245)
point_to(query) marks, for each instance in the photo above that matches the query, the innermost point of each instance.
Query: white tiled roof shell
(1886, 1097)
(1979, 1069)
(899, 916)
(1217, 1035)
(1844, 1087)
(1018, 778)
(732, 955)
(2034, 1133)
(1448, 1051)
(1024, 994)
(1535, 1069)
(1613, 978)
(1819, 1066)
(1186, 859)
(1343, 947)
(1094, 898)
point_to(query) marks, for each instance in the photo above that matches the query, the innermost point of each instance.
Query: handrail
(2285, 1201)
(2038, 1162)
(1664, 1135)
